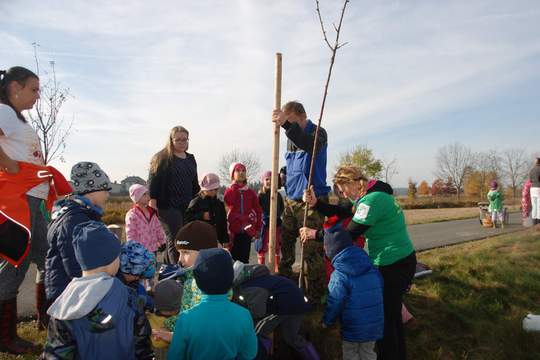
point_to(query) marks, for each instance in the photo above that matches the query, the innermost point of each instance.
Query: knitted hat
(213, 271)
(494, 185)
(209, 182)
(88, 177)
(136, 191)
(266, 175)
(168, 295)
(94, 245)
(196, 235)
(335, 240)
(136, 260)
(234, 166)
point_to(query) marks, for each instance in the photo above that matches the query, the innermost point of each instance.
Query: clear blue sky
(416, 75)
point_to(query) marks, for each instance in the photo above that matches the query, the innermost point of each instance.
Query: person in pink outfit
(142, 223)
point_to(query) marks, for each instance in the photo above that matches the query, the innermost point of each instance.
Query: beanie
(335, 240)
(168, 295)
(94, 245)
(209, 182)
(136, 191)
(213, 271)
(266, 175)
(196, 235)
(136, 260)
(88, 177)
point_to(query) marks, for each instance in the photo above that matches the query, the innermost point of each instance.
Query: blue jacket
(216, 329)
(355, 296)
(298, 159)
(60, 263)
(98, 318)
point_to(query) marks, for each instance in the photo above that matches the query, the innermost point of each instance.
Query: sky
(414, 76)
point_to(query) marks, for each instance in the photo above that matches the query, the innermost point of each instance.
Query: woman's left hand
(307, 234)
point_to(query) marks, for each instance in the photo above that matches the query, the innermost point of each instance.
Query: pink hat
(136, 191)
(266, 175)
(209, 182)
(234, 166)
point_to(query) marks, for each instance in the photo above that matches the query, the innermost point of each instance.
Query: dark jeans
(290, 328)
(397, 279)
(241, 248)
(171, 220)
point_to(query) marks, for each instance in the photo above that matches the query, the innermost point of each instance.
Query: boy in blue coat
(354, 295)
(216, 328)
(96, 316)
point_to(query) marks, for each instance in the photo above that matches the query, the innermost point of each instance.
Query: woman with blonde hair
(377, 216)
(173, 183)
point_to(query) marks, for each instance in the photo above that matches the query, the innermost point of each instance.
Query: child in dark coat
(354, 296)
(96, 316)
(207, 207)
(273, 301)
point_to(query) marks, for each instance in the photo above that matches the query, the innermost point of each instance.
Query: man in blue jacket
(354, 296)
(300, 132)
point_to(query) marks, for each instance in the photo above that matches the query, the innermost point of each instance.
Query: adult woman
(380, 219)
(19, 91)
(173, 183)
(534, 177)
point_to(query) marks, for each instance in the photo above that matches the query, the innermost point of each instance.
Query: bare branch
(322, 26)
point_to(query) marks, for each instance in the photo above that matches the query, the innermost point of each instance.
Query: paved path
(424, 236)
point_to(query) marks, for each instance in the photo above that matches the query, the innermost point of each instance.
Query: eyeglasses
(180, 140)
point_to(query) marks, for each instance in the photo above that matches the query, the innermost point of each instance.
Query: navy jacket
(60, 263)
(298, 158)
(355, 296)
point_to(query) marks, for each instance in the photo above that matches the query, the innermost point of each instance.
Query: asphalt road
(424, 236)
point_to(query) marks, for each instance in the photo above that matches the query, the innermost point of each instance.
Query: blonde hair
(347, 174)
(167, 153)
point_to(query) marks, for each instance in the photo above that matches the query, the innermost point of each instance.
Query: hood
(244, 272)
(352, 261)
(380, 186)
(71, 205)
(81, 296)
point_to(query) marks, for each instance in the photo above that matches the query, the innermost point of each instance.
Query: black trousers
(241, 248)
(397, 280)
(171, 220)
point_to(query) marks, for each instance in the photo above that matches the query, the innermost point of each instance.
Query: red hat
(235, 166)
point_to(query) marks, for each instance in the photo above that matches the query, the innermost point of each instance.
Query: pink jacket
(526, 199)
(147, 231)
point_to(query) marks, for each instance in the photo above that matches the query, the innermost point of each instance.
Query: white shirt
(21, 143)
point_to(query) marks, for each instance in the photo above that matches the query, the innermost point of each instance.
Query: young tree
(389, 169)
(362, 157)
(46, 116)
(423, 188)
(437, 187)
(454, 161)
(411, 191)
(515, 164)
(250, 160)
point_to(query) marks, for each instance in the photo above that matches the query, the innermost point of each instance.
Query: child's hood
(244, 272)
(352, 261)
(81, 296)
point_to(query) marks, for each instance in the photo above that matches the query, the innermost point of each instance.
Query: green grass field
(470, 308)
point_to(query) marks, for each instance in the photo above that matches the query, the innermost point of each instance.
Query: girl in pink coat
(142, 223)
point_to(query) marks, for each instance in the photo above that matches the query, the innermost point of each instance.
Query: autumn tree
(411, 191)
(423, 188)
(454, 161)
(362, 157)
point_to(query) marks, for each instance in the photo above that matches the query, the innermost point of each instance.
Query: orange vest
(15, 235)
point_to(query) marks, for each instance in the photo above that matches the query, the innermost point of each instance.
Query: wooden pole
(275, 171)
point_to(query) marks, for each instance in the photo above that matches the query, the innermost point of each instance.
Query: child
(192, 237)
(167, 303)
(216, 328)
(136, 264)
(91, 188)
(495, 198)
(261, 244)
(142, 223)
(244, 213)
(207, 207)
(354, 296)
(273, 301)
(96, 316)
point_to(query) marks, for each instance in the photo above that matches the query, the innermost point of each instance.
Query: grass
(425, 216)
(470, 308)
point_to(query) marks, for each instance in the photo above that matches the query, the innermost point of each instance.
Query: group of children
(108, 305)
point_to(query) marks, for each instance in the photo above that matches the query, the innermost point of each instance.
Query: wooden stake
(275, 172)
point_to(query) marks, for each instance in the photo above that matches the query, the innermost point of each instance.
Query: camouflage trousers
(314, 271)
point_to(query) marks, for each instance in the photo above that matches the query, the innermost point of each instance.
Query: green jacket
(495, 198)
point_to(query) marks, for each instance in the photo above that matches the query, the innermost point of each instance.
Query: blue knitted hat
(335, 240)
(213, 271)
(136, 260)
(95, 246)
